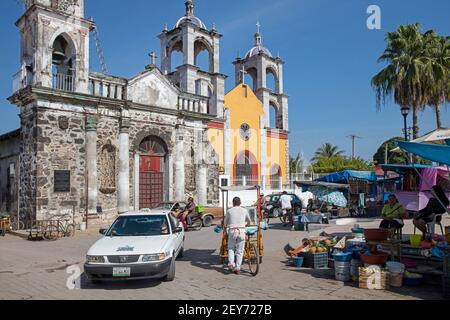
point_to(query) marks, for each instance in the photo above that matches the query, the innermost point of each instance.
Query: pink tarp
(429, 177)
(414, 201)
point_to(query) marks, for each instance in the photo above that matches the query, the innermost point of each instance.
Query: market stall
(415, 182)
(362, 191)
(329, 199)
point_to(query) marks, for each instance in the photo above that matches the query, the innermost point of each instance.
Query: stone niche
(107, 169)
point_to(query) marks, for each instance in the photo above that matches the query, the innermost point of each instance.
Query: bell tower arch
(54, 41)
(191, 38)
(260, 64)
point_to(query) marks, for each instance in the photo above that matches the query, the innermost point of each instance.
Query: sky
(330, 57)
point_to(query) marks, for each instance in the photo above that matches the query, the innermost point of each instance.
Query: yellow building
(253, 145)
(249, 152)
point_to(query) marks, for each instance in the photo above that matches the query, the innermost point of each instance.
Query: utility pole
(353, 137)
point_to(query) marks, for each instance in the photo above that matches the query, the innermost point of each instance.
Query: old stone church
(102, 144)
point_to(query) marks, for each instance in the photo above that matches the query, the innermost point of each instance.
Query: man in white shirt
(235, 221)
(286, 207)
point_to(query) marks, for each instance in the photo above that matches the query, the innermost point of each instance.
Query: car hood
(108, 246)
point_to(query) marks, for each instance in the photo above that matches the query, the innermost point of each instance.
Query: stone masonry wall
(61, 146)
(28, 149)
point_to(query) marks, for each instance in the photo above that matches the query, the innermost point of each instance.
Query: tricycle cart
(254, 249)
(5, 225)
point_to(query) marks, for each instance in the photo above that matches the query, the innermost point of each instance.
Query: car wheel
(171, 275)
(207, 221)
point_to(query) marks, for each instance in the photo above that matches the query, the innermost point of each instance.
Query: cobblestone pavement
(37, 270)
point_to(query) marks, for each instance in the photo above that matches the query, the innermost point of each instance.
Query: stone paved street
(37, 270)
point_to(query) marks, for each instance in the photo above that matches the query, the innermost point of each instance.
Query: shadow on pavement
(209, 260)
(118, 285)
(425, 292)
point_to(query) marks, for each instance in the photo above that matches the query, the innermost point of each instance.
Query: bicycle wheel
(50, 232)
(17, 226)
(253, 259)
(69, 231)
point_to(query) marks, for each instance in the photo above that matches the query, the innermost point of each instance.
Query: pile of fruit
(319, 246)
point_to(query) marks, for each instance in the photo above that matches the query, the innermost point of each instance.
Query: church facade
(98, 145)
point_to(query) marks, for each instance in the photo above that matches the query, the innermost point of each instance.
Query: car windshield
(139, 226)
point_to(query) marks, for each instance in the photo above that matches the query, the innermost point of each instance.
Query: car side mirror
(178, 230)
(103, 231)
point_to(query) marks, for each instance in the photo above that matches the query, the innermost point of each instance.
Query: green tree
(327, 151)
(340, 163)
(393, 157)
(437, 71)
(402, 78)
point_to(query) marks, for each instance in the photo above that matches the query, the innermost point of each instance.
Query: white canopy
(437, 136)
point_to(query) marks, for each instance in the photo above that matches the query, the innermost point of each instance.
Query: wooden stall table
(394, 247)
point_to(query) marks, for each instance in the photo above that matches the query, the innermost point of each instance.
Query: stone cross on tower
(258, 38)
(189, 8)
(153, 58)
(243, 73)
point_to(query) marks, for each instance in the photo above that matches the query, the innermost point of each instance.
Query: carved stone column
(123, 194)
(202, 172)
(91, 164)
(179, 165)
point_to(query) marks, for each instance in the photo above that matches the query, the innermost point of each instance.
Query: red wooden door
(151, 191)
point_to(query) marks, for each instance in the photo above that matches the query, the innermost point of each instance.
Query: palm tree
(402, 77)
(437, 71)
(327, 151)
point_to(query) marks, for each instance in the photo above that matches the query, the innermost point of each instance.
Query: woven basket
(375, 280)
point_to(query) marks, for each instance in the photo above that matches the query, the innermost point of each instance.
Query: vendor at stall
(393, 213)
(436, 208)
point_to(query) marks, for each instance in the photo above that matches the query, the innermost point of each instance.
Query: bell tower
(259, 63)
(190, 37)
(54, 45)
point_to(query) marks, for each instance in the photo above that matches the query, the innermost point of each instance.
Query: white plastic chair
(431, 226)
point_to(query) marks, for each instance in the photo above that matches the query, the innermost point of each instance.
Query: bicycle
(59, 228)
(251, 255)
(286, 213)
(17, 224)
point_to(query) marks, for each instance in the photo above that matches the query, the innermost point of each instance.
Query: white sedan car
(139, 245)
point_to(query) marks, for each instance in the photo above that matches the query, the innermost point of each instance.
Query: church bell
(59, 55)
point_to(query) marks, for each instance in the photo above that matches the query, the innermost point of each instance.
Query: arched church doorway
(246, 169)
(152, 171)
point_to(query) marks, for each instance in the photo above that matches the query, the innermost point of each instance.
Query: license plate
(121, 272)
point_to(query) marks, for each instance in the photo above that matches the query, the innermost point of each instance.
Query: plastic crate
(316, 261)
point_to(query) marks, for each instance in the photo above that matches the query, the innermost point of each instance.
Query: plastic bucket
(415, 240)
(340, 264)
(344, 277)
(395, 268)
(354, 267)
(298, 262)
(397, 280)
(343, 257)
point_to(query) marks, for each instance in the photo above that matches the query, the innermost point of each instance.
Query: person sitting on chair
(393, 213)
(434, 208)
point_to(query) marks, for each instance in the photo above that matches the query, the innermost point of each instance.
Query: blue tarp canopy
(345, 176)
(396, 167)
(433, 152)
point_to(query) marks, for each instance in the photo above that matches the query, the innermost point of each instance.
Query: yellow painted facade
(245, 108)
